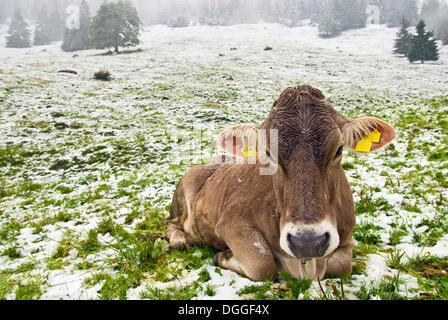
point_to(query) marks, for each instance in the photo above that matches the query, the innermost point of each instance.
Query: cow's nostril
(322, 243)
(308, 245)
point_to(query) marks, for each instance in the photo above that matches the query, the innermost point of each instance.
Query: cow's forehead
(302, 104)
(304, 118)
(306, 127)
(307, 120)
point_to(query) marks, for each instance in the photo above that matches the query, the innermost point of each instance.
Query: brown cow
(299, 218)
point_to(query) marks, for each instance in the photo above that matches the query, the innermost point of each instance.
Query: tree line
(116, 24)
(227, 12)
(331, 16)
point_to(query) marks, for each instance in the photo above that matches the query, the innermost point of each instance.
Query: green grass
(369, 205)
(25, 267)
(204, 276)
(394, 259)
(395, 236)
(429, 270)
(64, 247)
(437, 227)
(110, 171)
(257, 292)
(12, 252)
(116, 287)
(7, 284)
(367, 232)
(29, 291)
(425, 266)
(139, 256)
(295, 286)
(89, 245)
(387, 289)
(292, 289)
(186, 292)
(210, 290)
(10, 229)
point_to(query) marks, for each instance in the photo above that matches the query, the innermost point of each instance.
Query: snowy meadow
(88, 167)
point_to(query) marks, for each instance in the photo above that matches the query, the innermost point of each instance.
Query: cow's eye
(338, 153)
(270, 157)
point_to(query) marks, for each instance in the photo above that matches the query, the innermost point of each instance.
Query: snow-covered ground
(75, 151)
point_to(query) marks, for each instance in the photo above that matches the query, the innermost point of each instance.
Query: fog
(179, 13)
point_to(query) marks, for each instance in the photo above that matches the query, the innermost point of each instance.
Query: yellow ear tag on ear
(363, 146)
(375, 136)
(249, 152)
(366, 143)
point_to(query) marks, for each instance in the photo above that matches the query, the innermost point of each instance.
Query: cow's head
(313, 196)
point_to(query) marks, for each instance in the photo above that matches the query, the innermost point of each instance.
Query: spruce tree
(423, 45)
(403, 42)
(42, 32)
(328, 26)
(115, 25)
(78, 39)
(349, 14)
(18, 34)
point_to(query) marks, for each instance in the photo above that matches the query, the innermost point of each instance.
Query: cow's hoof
(178, 245)
(178, 240)
(181, 245)
(222, 255)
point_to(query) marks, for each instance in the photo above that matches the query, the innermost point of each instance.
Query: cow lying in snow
(300, 217)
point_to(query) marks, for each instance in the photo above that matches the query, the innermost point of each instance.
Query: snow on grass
(88, 168)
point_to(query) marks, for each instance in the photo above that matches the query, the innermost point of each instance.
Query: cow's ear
(367, 134)
(239, 140)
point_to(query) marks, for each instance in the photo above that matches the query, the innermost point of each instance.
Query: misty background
(179, 13)
(50, 18)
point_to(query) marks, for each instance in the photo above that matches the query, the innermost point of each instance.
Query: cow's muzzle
(308, 244)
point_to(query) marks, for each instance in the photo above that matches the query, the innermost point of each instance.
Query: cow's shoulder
(239, 190)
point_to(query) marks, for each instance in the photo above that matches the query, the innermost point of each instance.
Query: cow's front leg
(248, 252)
(340, 261)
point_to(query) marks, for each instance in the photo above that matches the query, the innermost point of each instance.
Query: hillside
(88, 168)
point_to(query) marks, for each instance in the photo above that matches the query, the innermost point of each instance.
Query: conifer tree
(328, 26)
(403, 42)
(115, 25)
(42, 32)
(18, 33)
(423, 45)
(78, 39)
(349, 14)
